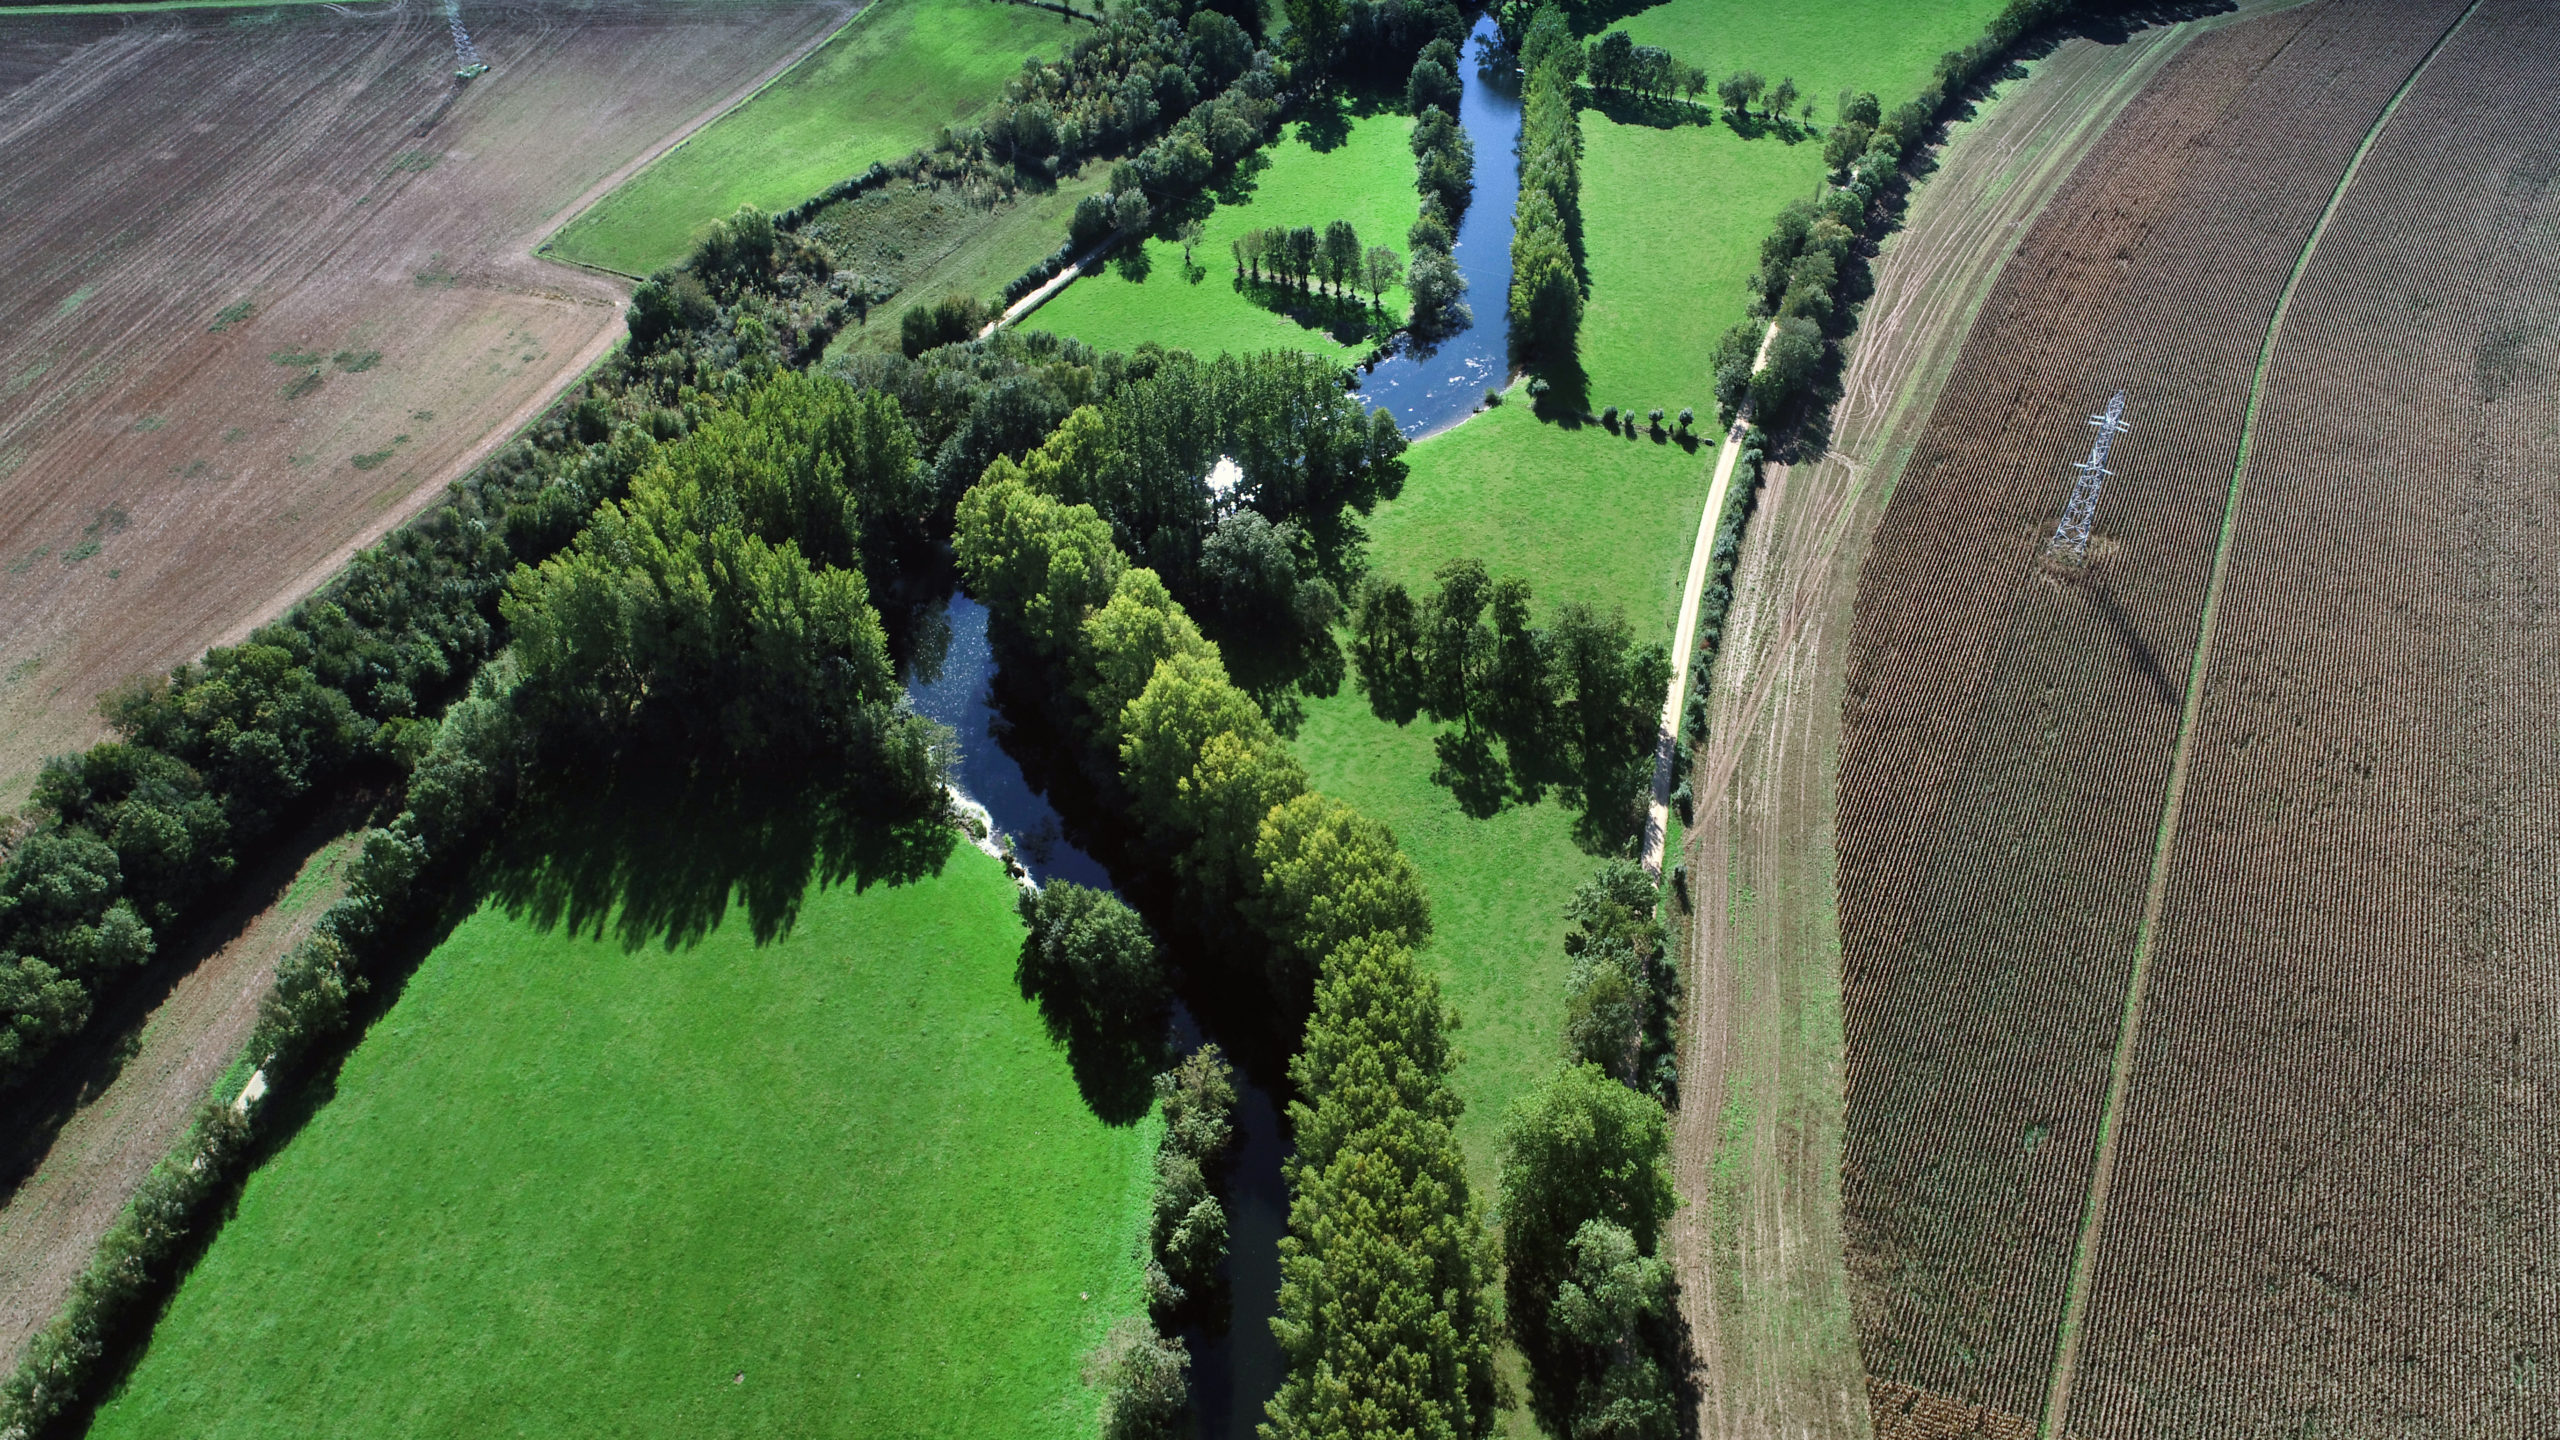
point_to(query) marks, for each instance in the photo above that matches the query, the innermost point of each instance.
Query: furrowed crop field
(884, 85)
(270, 293)
(2010, 738)
(840, 1183)
(2332, 1208)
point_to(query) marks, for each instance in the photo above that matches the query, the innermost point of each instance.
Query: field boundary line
(2084, 1261)
(570, 213)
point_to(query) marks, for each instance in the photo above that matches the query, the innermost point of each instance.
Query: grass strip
(2084, 1258)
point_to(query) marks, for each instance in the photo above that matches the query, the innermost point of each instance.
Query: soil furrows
(1757, 1152)
(2332, 1210)
(263, 308)
(2007, 736)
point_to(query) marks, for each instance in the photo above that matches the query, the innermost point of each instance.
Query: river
(1427, 388)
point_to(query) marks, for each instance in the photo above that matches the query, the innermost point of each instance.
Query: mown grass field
(1886, 46)
(565, 1189)
(1366, 177)
(884, 85)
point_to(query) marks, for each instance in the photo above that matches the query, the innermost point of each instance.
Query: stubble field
(272, 292)
(2009, 743)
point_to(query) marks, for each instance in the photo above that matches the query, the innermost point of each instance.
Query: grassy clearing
(1673, 220)
(1886, 46)
(1582, 514)
(1366, 177)
(565, 1188)
(979, 258)
(884, 85)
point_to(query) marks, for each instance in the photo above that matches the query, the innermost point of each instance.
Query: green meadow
(882, 86)
(1363, 174)
(839, 1184)
(1887, 46)
(1673, 219)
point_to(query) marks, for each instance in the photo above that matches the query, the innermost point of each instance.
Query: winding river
(1428, 388)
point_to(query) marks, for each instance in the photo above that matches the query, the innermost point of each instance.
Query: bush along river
(1428, 386)
(1432, 384)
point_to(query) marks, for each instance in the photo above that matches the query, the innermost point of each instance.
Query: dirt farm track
(272, 290)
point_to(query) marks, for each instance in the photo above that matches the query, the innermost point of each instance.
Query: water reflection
(1429, 388)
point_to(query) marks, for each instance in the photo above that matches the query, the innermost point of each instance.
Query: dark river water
(1427, 389)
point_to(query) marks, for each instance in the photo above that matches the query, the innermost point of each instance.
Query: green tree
(1739, 89)
(1095, 970)
(1315, 32)
(1341, 255)
(1041, 565)
(1382, 1314)
(1614, 1306)
(1578, 1148)
(1125, 641)
(1381, 270)
(1329, 876)
(1187, 701)
(1456, 648)
(1782, 98)
(1144, 1378)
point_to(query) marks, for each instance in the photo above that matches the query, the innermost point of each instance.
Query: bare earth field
(271, 292)
(1759, 1249)
(2008, 747)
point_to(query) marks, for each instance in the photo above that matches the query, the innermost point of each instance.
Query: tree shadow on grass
(1346, 319)
(652, 852)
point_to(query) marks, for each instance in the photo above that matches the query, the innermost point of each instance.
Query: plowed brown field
(2008, 738)
(168, 476)
(2334, 1207)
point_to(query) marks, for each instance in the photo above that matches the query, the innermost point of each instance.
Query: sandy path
(1764, 1287)
(118, 1130)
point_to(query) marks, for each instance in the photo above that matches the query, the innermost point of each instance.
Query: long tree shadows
(650, 852)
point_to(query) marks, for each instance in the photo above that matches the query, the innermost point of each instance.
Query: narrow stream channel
(1427, 388)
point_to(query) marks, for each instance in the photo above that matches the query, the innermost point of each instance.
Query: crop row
(2009, 735)
(2331, 1211)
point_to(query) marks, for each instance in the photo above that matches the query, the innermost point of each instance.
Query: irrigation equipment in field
(466, 56)
(2070, 542)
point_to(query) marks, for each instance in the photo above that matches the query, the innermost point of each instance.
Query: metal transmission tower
(467, 61)
(2070, 542)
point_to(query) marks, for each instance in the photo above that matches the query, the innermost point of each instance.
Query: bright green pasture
(1887, 46)
(1672, 223)
(882, 86)
(569, 1189)
(1365, 178)
(1582, 514)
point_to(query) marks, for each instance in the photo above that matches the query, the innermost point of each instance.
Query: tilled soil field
(271, 290)
(2008, 736)
(1764, 1287)
(2333, 1208)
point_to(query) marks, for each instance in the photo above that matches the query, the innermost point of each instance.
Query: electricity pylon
(2070, 542)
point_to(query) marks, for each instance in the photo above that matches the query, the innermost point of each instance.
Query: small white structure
(1226, 486)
